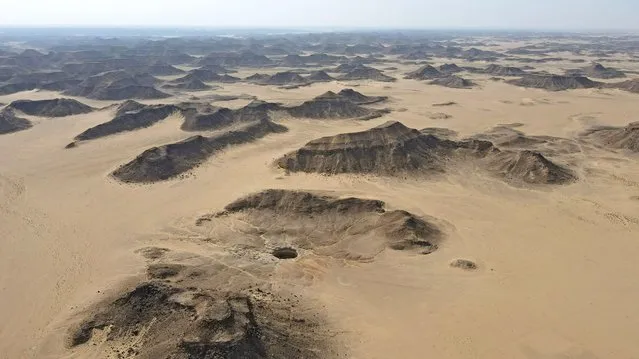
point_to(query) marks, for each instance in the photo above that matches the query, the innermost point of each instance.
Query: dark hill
(393, 149)
(9, 122)
(326, 106)
(452, 81)
(450, 68)
(361, 72)
(555, 82)
(118, 85)
(615, 137)
(426, 72)
(164, 162)
(499, 70)
(58, 107)
(319, 76)
(132, 119)
(353, 96)
(190, 85)
(597, 71)
(223, 117)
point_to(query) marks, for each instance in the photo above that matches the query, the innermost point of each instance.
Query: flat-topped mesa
(129, 117)
(58, 107)
(167, 161)
(332, 105)
(223, 117)
(555, 82)
(626, 138)
(452, 81)
(9, 122)
(426, 72)
(393, 149)
(387, 149)
(317, 222)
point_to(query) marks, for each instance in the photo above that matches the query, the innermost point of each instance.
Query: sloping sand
(556, 267)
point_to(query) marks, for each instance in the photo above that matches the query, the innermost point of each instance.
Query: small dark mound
(529, 167)
(555, 82)
(453, 81)
(450, 68)
(163, 271)
(464, 264)
(285, 253)
(450, 103)
(361, 72)
(168, 161)
(58, 107)
(71, 145)
(616, 137)
(359, 98)
(426, 72)
(319, 76)
(9, 122)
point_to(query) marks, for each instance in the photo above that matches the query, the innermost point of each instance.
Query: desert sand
(503, 269)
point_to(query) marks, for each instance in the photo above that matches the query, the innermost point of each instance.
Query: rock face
(9, 122)
(597, 71)
(223, 117)
(330, 105)
(58, 107)
(118, 85)
(349, 228)
(453, 81)
(164, 162)
(361, 72)
(555, 82)
(426, 72)
(615, 137)
(394, 149)
(129, 117)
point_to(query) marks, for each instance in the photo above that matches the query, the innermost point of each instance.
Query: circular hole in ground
(285, 253)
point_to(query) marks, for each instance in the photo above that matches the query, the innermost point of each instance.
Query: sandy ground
(557, 267)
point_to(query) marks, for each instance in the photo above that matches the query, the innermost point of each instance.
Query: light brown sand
(557, 267)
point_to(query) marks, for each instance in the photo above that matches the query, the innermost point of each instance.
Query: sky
(447, 14)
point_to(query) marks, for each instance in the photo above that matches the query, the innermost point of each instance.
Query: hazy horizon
(566, 15)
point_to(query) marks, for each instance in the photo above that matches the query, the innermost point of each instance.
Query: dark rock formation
(555, 82)
(58, 107)
(9, 122)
